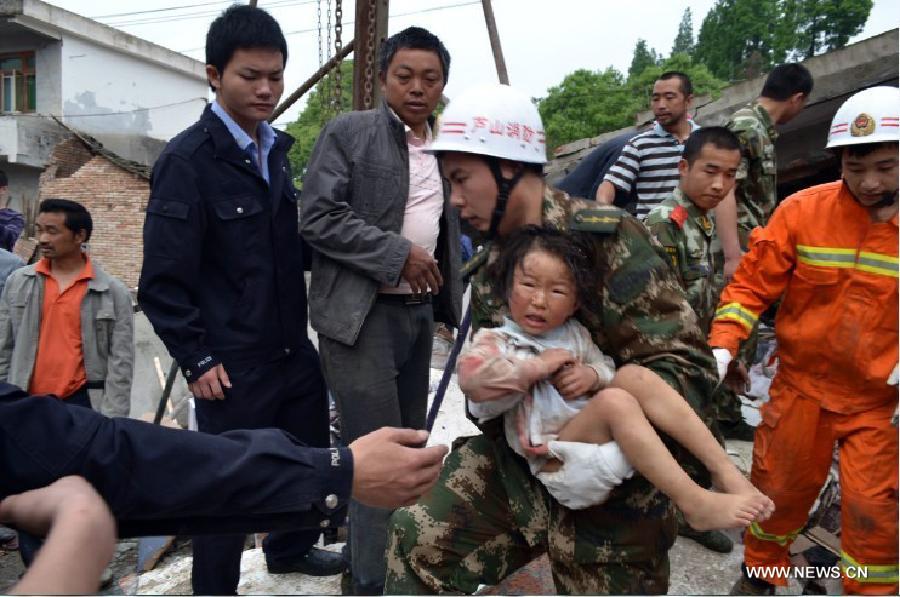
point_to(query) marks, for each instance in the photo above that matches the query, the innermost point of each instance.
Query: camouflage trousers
(488, 516)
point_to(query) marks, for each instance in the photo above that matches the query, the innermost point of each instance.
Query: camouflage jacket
(689, 237)
(755, 189)
(645, 320)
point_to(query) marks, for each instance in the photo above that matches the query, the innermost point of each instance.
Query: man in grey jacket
(9, 262)
(66, 326)
(386, 266)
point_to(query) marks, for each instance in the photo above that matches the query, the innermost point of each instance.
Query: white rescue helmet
(493, 120)
(869, 116)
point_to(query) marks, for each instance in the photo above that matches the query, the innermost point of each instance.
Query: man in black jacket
(222, 279)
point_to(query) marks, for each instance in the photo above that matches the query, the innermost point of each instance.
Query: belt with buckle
(416, 298)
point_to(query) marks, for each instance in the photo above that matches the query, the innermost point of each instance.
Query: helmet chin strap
(887, 199)
(504, 187)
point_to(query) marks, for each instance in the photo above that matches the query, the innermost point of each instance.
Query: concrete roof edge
(97, 148)
(78, 26)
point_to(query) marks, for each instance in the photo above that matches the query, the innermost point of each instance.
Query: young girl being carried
(583, 426)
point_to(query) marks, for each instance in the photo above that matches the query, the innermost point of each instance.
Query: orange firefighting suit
(836, 271)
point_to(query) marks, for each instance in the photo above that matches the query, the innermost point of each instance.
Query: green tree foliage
(822, 25)
(643, 57)
(732, 32)
(588, 103)
(585, 104)
(313, 117)
(684, 39)
(742, 38)
(703, 81)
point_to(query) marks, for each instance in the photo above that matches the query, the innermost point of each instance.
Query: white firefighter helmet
(493, 120)
(869, 116)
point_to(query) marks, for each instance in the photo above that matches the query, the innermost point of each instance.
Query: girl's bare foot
(707, 510)
(732, 481)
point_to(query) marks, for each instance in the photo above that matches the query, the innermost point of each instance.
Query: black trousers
(287, 394)
(382, 380)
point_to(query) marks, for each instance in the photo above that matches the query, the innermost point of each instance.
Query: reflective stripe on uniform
(739, 313)
(760, 534)
(873, 263)
(881, 574)
(826, 256)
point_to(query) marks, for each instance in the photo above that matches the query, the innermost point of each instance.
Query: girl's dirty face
(543, 294)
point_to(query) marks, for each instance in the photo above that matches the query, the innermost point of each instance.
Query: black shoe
(351, 587)
(751, 586)
(317, 562)
(740, 430)
(712, 540)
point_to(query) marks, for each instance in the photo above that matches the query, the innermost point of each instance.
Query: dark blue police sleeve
(168, 481)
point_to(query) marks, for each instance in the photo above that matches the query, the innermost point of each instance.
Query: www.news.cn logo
(807, 572)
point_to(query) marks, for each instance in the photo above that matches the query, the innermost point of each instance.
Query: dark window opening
(17, 82)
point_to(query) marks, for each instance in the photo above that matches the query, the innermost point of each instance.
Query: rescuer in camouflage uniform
(783, 97)
(755, 193)
(688, 235)
(684, 225)
(488, 515)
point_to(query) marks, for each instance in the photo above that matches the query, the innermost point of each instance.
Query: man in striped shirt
(649, 162)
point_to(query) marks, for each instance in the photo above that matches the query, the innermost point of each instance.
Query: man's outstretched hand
(81, 539)
(389, 471)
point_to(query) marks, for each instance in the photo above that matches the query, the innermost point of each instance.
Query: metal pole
(495, 42)
(253, 3)
(167, 391)
(382, 9)
(317, 76)
(370, 28)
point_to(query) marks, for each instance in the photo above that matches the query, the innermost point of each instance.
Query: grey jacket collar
(396, 125)
(99, 283)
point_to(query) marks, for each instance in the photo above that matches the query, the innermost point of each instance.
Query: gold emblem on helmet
(862, 126)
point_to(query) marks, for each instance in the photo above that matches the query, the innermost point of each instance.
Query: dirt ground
(121, 579)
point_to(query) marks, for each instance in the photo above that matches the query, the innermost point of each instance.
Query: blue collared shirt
(266, 137)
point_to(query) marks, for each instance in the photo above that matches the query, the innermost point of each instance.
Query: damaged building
(128, 94)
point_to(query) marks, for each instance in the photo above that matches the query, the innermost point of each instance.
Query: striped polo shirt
(649, 162)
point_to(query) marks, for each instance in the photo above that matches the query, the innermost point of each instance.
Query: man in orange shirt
(830, 252)
(66, 326)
